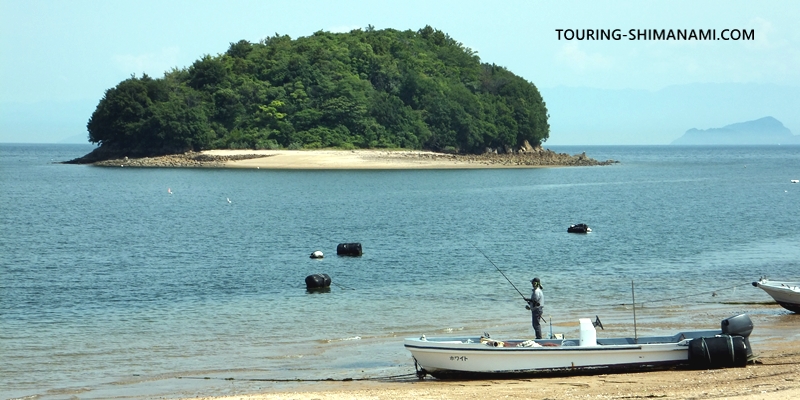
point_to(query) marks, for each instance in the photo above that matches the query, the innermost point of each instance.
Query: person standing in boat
(536, 305)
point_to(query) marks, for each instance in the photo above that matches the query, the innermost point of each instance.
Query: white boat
(483, 357)
(795, 180)
(787, 294)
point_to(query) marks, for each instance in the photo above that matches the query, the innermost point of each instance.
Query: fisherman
(536, 305)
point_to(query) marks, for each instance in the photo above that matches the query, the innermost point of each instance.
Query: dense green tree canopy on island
(363, 89)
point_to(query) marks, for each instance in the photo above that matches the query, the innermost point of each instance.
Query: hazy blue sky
(72, 51)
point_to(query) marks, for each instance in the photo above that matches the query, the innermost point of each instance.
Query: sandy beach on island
(353, 159)
(361, 159)
(775, 374)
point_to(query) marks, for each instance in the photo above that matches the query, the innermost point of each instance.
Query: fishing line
(498, 270)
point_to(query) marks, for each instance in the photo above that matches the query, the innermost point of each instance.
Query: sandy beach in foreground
(775, 374)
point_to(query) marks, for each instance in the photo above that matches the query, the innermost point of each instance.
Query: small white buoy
(229, 200)
(169, 190)
(316, 254)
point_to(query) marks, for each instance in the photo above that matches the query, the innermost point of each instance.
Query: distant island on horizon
(767, 130)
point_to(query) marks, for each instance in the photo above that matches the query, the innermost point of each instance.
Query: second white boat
(787, 294)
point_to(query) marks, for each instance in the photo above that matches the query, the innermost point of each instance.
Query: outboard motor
(739, 325)
(348, 249)
(730, 349)
(318, 281)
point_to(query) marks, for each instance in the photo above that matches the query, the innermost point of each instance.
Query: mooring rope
(342, 286)
(712, 293)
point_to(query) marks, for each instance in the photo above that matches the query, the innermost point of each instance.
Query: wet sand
(776, 377)
(774, 374)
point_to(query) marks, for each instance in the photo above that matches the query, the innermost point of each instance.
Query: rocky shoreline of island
(344, 159)
(185, 160)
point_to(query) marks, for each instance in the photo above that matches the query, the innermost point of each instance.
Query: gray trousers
(536, 315)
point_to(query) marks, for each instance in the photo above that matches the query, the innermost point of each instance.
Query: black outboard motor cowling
(739, 325)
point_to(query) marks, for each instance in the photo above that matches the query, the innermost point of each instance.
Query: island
(763, 131)
(414, 95)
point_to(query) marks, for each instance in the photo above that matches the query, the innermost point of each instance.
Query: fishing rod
(509, 281)
(498, 270)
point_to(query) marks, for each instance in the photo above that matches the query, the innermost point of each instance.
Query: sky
(59, 57)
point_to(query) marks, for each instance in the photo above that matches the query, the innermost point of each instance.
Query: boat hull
(460, 360)
(786, 294)
(475, 357)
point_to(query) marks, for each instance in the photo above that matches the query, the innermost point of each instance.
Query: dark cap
(535, 280)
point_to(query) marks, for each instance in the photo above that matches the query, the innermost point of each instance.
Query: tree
(362, 89)
(118, 117)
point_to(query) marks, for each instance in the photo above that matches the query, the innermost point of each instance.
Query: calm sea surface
(110, 286)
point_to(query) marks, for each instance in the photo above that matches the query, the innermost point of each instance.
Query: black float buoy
(579, 228)
(348, 249)
(318, 281)
(721, 351)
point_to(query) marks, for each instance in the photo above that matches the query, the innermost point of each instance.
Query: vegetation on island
(363, 89)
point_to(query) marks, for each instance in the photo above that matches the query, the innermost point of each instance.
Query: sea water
(141, 283)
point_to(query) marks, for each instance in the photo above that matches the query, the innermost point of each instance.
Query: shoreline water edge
(351, 159)
(771, 374)
(774, 377)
